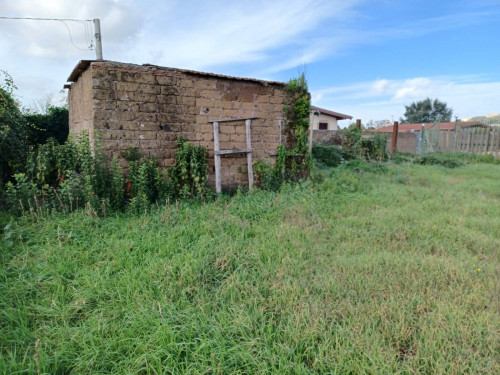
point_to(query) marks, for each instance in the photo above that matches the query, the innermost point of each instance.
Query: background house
(324, 119)
(325, 124)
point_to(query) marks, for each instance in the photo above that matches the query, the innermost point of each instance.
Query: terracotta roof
(417, 127)
(149, 68)
(338, 115)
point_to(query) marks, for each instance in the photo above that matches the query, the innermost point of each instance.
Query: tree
(13, 131)
(426, 111)
(51, 124)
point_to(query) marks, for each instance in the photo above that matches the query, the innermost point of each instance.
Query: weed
(73, 175)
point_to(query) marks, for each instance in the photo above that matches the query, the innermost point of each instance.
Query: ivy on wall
(293, 161)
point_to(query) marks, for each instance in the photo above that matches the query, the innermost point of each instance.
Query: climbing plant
(293, 161)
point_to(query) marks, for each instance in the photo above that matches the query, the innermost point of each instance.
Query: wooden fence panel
(475, 140)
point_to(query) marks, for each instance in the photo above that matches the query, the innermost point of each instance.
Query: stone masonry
(148, 107)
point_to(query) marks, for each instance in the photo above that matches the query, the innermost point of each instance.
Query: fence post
(469, 140)
(394, 143)
(455, 135)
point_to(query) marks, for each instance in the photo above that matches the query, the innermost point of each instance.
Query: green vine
(293, 161)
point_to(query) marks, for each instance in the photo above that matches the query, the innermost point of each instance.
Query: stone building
(148, 107)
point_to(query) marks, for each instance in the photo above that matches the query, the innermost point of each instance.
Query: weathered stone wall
(149, 107)
(80, 103)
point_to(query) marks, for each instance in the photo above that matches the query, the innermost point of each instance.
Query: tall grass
(360, 273)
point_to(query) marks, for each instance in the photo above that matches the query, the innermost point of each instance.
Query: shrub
(266, 176)
(189, 173)
(116, 193)
(361, 166)
(52, 124)
(331, 156)
(21, 196)
(352, 147)
(13, 130)
(433, 159)
(375, 148)
(399, 158)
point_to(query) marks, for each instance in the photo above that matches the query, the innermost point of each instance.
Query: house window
(323, 126)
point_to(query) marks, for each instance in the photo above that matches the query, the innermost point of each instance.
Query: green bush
(13, 132)
(361, 166)
(433, 159)
(375, 148)
(331, 156)
(351, 146)
(20, 196)
(189, 173)
(400, 158)
(53, 124)
(267, 177)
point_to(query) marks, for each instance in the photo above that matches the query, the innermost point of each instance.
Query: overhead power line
(88, 28)
(42, 19)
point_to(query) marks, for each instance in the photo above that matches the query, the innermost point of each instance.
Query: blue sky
(364, 58)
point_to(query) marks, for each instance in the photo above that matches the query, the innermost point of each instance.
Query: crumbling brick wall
(149, 107)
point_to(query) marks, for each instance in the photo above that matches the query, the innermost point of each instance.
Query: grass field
(361, 273)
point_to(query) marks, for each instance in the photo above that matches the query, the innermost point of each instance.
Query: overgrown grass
(353, 273)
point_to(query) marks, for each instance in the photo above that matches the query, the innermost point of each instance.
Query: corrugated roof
(340, 116)
(152, 69)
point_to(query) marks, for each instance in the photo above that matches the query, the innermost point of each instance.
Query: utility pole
(97, 28)
(98, 44)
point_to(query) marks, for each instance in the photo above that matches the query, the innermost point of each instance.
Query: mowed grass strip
(358, 274)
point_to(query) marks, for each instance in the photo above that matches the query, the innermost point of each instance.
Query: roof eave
(79, 69)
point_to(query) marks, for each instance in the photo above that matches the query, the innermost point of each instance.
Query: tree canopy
(427, 110)
(13, 131)
(19, 132)
(51, 124)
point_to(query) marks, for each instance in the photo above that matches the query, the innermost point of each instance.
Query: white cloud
(414, 88)
(251, 31)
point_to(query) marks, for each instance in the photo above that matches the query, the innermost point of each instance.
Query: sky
(367, 59)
